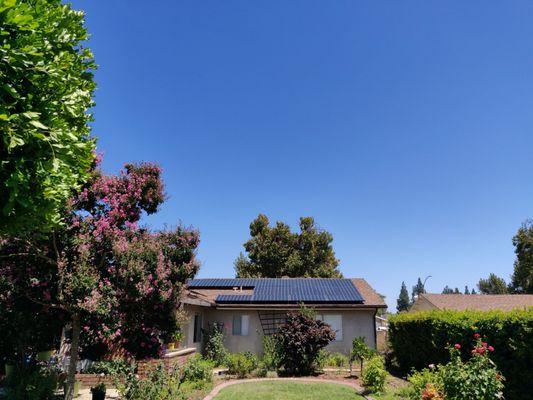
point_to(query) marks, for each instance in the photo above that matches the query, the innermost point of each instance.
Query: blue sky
(404, 128)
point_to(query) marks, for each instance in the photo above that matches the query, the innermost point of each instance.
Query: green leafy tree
(522, 278)
(402, 304)
(492, 285)
(45, 93)
(274, 252)
(447, 290)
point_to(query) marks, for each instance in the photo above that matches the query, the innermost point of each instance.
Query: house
(480, 302)
(248, 309)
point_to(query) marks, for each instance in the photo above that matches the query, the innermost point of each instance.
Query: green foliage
(271, 353)
(197, 369)
(522, 279)
(274, 252)
(421, 339)
(242, 364)
(32, 382)
(337, 360)
(403, 303)
(420, 381)
(418, 289)
(46, 92)
(361, 351)
(214, 348)
(374, 375)
(492, 285)
(116, 366)
(301, 338)
(160, 384)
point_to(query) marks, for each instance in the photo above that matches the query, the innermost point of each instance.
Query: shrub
(337, 360)
(158, 385)
(361, 352)
(116, 366)
(271, 353)
(32, 382)
(197, 369)
(302, 337)
(420, 339)
(420, 381)
(242, 364)
(374, 375)
(214, 349)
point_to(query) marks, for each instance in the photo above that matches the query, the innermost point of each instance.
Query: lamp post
(424, 283)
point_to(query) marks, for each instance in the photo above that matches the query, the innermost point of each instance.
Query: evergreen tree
(522, 279)
(456, 291)
(473, 291)
(466, 290)
(492, 285)
(418, 289)
(403, 299)
(447, 290)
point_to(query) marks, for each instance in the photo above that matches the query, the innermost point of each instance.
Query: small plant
(214, 348)
(360, 352)
(197, 369)
(374, 375)
(337, 360)
(242, 364)
(116, 366)
(271, 353)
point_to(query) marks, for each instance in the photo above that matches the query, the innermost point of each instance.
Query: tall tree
(456, 291)
(492, 285)
(418, 289)
(447, 290)
(403, 304)
(46, 92)
(274, 252)
(116, 283)
(466, 290)
(473, 291)
(522, 278)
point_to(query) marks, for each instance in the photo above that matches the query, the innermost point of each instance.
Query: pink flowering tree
(118, 284)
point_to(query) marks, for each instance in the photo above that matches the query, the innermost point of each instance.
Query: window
(197, 328)
(241, 325)
(335, 321)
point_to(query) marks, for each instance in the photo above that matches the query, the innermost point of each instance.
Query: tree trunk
(71, 374)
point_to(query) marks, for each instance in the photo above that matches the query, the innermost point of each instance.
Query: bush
(302, 337)
(271, 353)
(158, 385)
(242, 364)
(374, 375)
(117, 366)
(420, 339)
(197, 369)
(214, 349)
(337, 360)
(32, 382)
(361, 352)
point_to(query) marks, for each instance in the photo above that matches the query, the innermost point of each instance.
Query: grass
(276, 390)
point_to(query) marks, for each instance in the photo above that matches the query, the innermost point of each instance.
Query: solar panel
(233, 298)
(280, 290)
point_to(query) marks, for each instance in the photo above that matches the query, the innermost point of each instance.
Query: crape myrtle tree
(46, 150)
(113, 280)
(274, 252)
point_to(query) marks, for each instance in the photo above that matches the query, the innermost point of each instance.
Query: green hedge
(420, 339)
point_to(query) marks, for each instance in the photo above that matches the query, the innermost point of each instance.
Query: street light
(424, 284)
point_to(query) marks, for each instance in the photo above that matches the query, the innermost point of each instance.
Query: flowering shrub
(302, 337)
(476, 378)
(374, 374)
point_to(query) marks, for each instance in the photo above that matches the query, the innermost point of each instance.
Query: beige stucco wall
(355, 323)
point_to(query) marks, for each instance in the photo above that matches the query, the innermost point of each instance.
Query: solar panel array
(279, 290)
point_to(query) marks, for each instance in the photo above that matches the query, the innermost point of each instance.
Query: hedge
(420, 339)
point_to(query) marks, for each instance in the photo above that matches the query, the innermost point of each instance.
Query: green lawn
(276, 390)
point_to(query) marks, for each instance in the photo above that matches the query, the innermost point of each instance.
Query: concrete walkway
(225, 384)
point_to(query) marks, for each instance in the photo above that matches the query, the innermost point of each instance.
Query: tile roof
(284, 290)
(481, 302)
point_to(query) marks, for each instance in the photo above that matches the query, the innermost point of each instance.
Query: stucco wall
(355, 323)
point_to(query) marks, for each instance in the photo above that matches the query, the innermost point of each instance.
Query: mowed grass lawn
(277, 390)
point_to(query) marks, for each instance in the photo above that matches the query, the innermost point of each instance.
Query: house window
(197, 337)
(335, 321)
(241, 325)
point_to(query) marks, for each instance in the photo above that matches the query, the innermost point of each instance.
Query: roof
(282, 291)
(481, 302)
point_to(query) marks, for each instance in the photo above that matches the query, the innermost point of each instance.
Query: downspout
(375, 329)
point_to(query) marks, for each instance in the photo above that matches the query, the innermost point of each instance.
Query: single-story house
(480, 302)
(248, 309)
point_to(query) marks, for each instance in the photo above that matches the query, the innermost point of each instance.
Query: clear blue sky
(404, 128)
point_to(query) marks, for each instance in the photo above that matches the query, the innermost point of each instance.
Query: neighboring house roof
(282, 292)
(481, 302)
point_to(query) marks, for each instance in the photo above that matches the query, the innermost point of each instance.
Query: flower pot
(44, 355)
(170, 346)
(76, 388)
(177, 344)
(10, 368)
(98, 394)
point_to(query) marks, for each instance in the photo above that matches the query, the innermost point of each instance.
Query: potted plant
(177, 337)
(98, 392)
